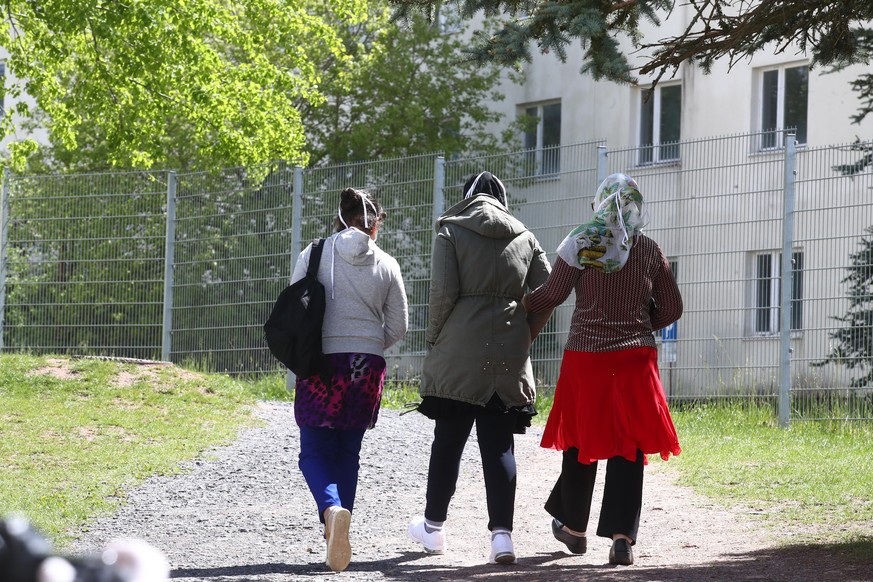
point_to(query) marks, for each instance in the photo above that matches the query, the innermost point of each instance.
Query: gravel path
(243, 512)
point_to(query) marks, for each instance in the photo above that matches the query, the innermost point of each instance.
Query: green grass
(815, 478)
(76, 434)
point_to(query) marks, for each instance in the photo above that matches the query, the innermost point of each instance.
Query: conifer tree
(852, 345)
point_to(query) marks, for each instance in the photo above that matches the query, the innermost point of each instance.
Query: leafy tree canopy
(833, 33)
(383, 89)
(410, 90)
(126, 67)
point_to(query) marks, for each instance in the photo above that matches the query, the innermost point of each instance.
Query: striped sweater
(614, 311)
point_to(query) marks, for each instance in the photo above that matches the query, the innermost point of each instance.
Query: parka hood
(484, 215)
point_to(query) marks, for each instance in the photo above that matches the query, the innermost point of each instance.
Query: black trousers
(570, 500)
(494, 431)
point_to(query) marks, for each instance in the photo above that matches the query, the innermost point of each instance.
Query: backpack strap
(315, 258)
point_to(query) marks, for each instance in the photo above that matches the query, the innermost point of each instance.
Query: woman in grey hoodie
(477, 369)
(366, 313)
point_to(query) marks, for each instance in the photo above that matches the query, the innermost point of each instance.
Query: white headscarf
(605, 242)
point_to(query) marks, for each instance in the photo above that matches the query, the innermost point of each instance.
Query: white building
(769, 91)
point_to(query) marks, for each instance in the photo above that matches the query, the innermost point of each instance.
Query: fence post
(296, 236)
(439, 184)
(4, 226)
(787, 282)
(169, 258)
(602, 164)
(296, 217)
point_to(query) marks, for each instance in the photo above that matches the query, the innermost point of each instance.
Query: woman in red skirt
(609, 402)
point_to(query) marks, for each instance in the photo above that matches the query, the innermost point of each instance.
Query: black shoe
(576, 544)
(621, 553)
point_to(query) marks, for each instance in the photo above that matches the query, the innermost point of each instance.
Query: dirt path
(244, 513)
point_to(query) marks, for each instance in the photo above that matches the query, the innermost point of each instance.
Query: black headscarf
(486, 183)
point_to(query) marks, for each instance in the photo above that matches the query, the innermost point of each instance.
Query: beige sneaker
(336, 527)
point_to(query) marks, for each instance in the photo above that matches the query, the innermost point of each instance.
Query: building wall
(723, 102)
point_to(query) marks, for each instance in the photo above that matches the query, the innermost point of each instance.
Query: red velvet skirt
(609, 404)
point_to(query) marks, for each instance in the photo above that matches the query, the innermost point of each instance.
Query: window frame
(774, 138)
(766, 290)
(544, 159)
(653, 99)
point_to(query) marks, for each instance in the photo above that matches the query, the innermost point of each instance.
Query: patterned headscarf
(605, 242)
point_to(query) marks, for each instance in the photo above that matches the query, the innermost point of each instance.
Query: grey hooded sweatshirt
(366, 308)
(484, 260)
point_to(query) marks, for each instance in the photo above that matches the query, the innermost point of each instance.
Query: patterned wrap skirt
(609, 404)
(345, 396)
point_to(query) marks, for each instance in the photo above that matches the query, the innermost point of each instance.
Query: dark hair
(352, 210)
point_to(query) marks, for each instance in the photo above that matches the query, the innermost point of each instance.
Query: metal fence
(185, 267)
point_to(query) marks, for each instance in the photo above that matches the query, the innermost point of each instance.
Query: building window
(669, 334)
(767, 291)
(542, 139)
(660, 124)
(784, 99)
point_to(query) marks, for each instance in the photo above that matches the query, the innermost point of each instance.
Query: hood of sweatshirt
(354, 246)
(484, 215)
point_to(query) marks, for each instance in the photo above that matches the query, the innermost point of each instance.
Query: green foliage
(84, 273)
(232, 257)
(273, 387)
(351, 83)
(86, 264)
(140, 71)
(735, 452)
(407, 91)
(553, 25)
(862, 163)
(74, 434)
(400, 395)
(853, 343)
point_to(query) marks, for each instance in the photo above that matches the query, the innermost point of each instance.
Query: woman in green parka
(477, 369)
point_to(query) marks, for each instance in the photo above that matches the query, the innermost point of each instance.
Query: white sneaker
(502, 551)
(339, 549)
(434, 542)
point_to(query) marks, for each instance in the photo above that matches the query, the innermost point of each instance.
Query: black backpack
(293, 330)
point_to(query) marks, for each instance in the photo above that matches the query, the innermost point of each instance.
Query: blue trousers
(330, 460)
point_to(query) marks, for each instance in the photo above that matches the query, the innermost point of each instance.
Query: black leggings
(494, 431)
(570, 501)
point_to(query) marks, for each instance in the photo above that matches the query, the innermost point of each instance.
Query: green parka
(484, 260)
